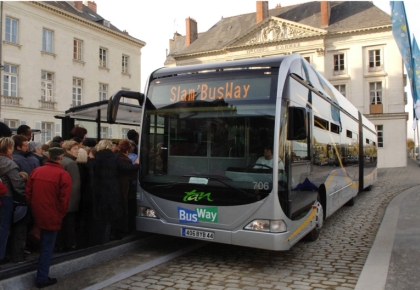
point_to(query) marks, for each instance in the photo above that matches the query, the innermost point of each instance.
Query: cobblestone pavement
(334, 261)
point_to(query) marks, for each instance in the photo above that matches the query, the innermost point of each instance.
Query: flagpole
(414, 139)
(418, 138)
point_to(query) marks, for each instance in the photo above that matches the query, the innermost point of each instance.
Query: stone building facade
(61, 54)
(350, 43)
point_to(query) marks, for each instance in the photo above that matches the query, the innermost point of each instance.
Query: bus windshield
(208, 139)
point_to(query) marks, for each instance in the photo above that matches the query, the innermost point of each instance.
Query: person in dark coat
(107, 205)
(35, 152)
(133, 137)
(120, 227)
(48, 193)
(84, 216)
(78, 132)
(5, 130)
(66, 239)
(19, 154)
(26, 131)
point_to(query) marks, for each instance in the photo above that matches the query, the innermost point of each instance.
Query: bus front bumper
(246, 238)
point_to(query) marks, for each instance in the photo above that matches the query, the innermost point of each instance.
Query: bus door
(302, 189)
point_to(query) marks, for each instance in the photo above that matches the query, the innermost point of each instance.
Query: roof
(87, 14)
(128, 114)
(345, 16)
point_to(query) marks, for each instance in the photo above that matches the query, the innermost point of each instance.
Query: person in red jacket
(48, 193)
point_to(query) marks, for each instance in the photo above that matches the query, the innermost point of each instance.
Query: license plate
(197, 234)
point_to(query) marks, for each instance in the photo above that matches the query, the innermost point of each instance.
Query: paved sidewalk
(395, 255)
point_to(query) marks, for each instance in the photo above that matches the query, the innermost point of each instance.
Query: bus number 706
(261, 185)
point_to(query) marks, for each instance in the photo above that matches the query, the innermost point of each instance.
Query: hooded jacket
(9, 174)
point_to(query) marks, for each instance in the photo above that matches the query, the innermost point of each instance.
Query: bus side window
(297, 124)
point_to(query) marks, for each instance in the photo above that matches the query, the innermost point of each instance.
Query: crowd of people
(63, 195)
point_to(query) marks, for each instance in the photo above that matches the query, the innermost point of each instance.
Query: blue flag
(402, 34)
(416, 78)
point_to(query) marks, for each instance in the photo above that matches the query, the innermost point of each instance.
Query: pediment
(275, 29)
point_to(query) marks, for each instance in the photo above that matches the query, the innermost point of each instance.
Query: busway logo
(201, 214)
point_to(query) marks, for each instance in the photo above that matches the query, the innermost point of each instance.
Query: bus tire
(350, 202)
(314, 234)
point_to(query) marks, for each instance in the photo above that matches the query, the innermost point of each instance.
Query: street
(334, 261)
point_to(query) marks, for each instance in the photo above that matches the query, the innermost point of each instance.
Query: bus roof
(274, 61)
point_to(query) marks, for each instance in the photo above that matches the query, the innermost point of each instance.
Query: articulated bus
(254, 152)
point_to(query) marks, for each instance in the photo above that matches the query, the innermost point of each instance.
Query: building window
(107, 23)
(102, 57)
(375, 91)
(47, 130)
(341, 89)
(47, 40)
(124, 64)
(10, 80)
(103, 92)
(375, 61)
(380, 130)
(77, 49)
(12, 123)
(124, 133)
(339, 62)
(104, 132)
(77, 91)
(47, 86)
(11, 29)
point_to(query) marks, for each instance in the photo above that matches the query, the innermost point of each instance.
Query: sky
(156, 21)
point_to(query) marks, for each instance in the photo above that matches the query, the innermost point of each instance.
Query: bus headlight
(146, 212)
(272, 226)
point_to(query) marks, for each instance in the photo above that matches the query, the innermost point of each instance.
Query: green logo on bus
(196, 196)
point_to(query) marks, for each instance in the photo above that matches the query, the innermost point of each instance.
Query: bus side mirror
(114, 102)
(297, 127)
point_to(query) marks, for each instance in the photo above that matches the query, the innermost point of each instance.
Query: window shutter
(110, 132)
(38, 136)
(57, 129)
(22, 122)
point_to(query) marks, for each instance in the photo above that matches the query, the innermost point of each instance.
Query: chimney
(172, 41)
(125, 32)
(92, 5)
(325, 13)
(78, 5)
(262, 11)
(278, 6)
(191, 31)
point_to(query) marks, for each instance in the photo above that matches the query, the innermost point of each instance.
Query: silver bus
(254, 152)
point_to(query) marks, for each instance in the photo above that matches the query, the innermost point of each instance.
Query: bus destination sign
(229, 90)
